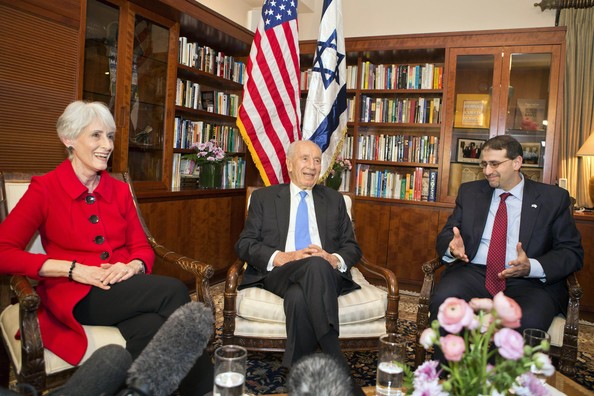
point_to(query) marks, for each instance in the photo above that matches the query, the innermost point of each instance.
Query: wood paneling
(38, 80)
(412, 241)
(371, 224)
(202, 228)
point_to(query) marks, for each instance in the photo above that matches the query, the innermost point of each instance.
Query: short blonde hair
(79, 115)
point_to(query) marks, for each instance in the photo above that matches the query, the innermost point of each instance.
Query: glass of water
(391, 355)
(533, 338)
(229, 370)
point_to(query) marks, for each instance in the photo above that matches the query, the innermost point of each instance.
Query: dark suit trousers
(467, 281)
(310, 288)
(138, 307)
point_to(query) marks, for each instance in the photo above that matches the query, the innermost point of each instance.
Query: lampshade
(587, 148)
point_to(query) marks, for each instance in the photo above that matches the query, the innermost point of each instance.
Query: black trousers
(138, 307)
(310, 288)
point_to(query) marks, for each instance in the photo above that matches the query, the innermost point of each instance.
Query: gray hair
(319, 375)
(79, 115)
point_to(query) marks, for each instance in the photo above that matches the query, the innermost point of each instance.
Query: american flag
(325, 115)
(270, 114)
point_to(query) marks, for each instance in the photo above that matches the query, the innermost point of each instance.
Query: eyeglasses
(492, 164)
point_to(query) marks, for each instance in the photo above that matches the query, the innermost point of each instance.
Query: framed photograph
(472, 111)
(469, 150)
(531, 154)
(530, 114)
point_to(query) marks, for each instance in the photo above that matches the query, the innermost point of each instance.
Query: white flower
(542, 363)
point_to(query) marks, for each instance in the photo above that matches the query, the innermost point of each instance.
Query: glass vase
(210, 175)
(334, 180)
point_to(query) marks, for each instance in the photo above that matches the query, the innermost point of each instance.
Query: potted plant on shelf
(334, 178)
(208, 158)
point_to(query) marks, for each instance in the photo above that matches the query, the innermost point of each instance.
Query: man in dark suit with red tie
(299, 244)
(508, 233)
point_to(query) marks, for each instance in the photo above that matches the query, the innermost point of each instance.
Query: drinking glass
(229, 370)
(391, 354)
(533, 338)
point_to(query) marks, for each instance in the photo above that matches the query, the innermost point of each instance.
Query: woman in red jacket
(97, 261)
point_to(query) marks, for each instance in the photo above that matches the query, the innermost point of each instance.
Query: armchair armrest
(393, 293)
(201, 271)
(230, 300)
(429, 269)
(31, 343)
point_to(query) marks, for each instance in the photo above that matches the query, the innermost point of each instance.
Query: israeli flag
(325, 116)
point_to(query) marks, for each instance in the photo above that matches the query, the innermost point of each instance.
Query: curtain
(578, 101)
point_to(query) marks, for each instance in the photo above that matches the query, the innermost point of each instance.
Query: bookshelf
(208, 91)
(430, 127)
(172, 72)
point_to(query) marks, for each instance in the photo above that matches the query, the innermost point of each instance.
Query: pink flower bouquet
(481, 332)
(340, 165)
(208, 152)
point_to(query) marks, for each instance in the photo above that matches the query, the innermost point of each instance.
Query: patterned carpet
(264, 374)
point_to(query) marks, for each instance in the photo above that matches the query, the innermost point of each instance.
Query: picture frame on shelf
(472, 111)
(469, 150)
(531, 154)
(530, 114)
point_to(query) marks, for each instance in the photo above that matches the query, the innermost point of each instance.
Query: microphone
(169, 356)
(102, 374)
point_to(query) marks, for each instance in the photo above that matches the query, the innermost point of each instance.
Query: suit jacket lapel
(531, 204)
(483, 202)
(320, 205)
(283, 210)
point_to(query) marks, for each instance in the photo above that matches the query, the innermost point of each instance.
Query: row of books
(347, 147)
(406, 110)
(189, 94)
(211, 61)
(187, 132)
(398, 148)
(419, 184)
(423, 76)
(186, 174)
(351, 78)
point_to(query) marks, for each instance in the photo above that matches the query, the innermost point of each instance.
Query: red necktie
(496, 254)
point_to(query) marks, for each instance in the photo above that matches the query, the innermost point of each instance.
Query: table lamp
(587, 149)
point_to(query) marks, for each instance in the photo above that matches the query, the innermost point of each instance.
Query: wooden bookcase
(494, 71)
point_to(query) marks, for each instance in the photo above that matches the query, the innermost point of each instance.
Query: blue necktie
(302, 238)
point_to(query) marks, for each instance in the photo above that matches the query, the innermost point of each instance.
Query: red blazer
(55, 205)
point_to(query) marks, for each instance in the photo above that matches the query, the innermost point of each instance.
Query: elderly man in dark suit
(539, 247)
(308, 275)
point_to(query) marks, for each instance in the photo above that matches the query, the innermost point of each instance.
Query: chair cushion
(367, 304)
(556, 330)
(97, 336)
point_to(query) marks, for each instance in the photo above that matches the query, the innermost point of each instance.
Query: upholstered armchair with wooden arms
(563, 329)
(254, 318)
(32, 363)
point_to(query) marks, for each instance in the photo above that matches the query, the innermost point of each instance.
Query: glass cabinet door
(527, 108)
(136, 45)
(504, 90)
(147, 100)
(101, 47)
(474, 116)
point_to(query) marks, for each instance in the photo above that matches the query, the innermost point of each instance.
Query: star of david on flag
(325, 115)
